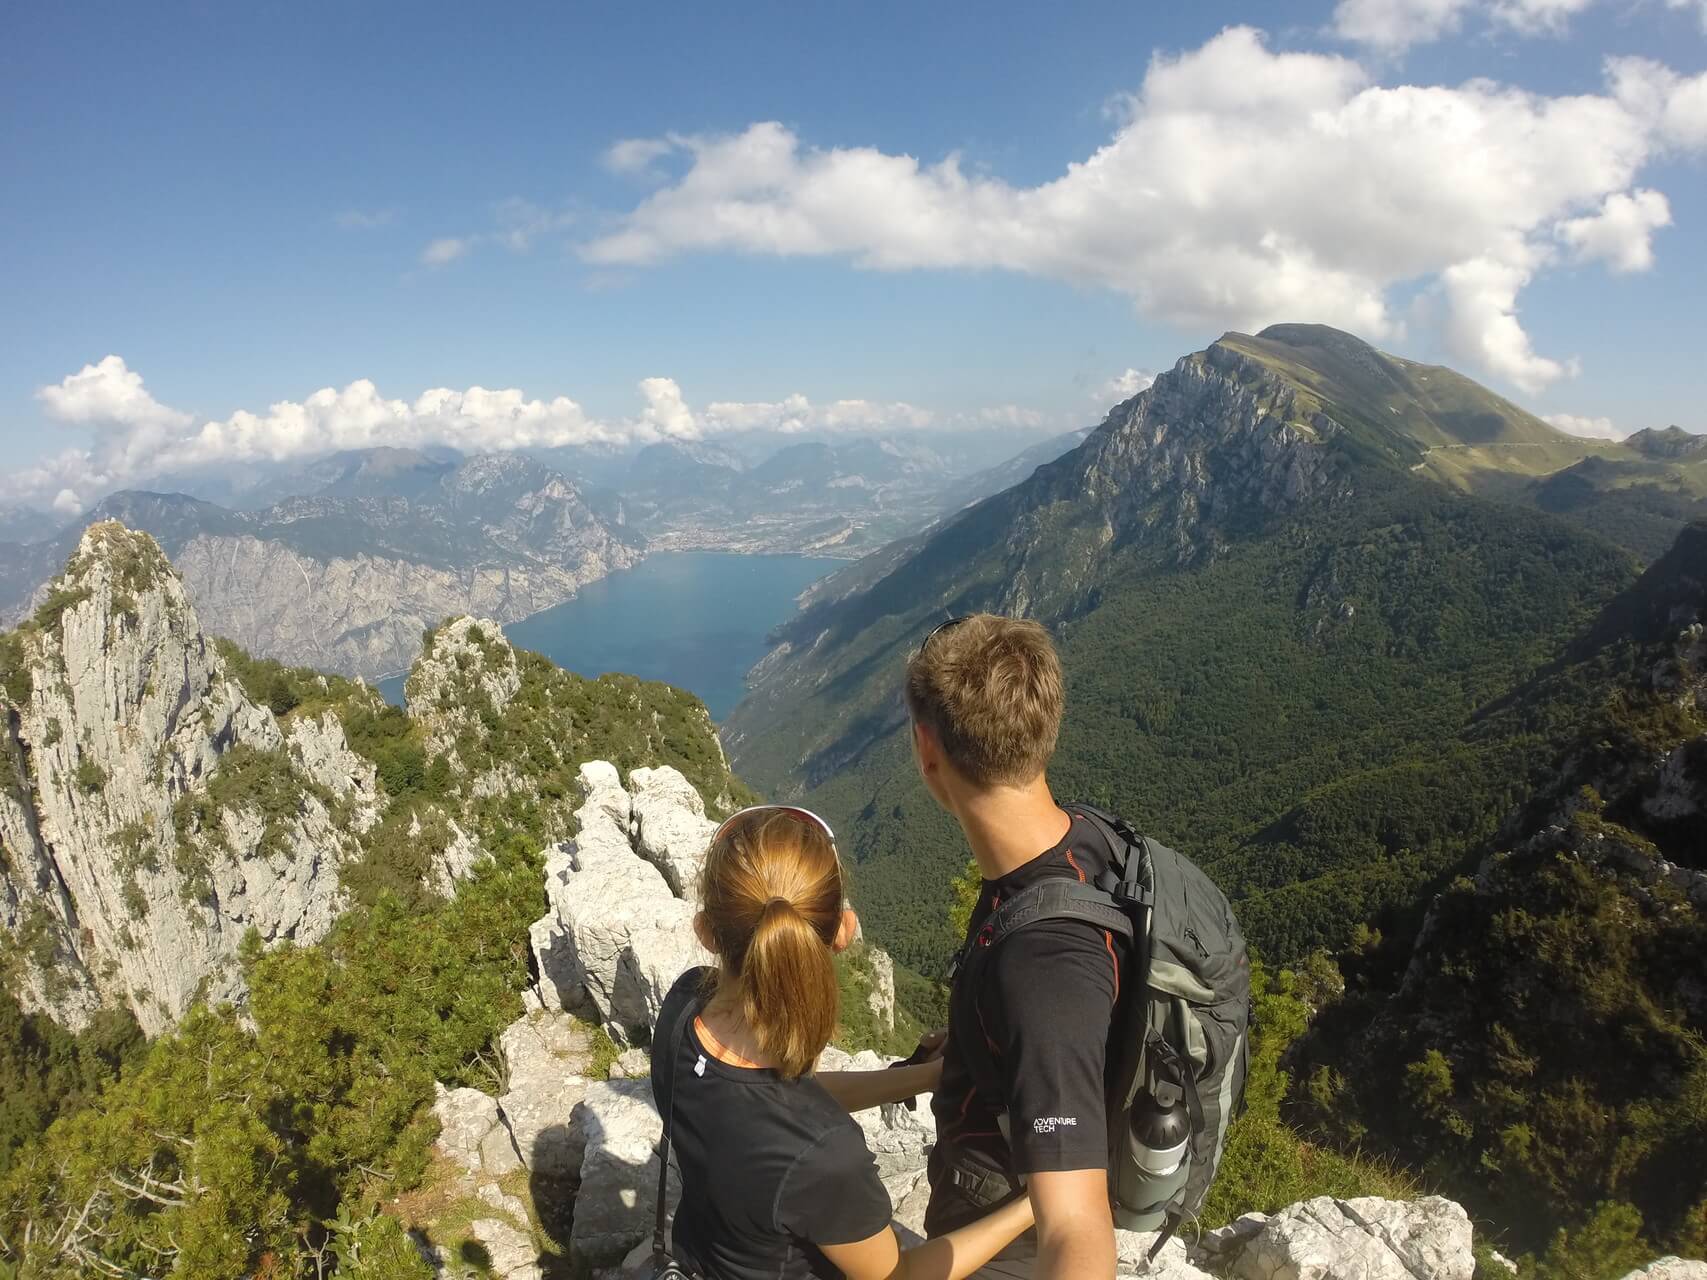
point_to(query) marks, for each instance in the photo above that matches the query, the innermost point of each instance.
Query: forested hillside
(1280, 639)
(1540, 1051)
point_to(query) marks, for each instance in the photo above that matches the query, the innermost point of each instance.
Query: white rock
(614, 938)
(466, 1118)
(1132, 1248)
(495, 1196)
(602, 796)
(130, 710)
(1671, 1268)
(1370, 1238)
(511, 1249)
(881, 999)
(1233, 1236)
(546, 1057)
(910, 1206)
(670, 827)
(498, 1155)
(617, 1129)
(631, 1064)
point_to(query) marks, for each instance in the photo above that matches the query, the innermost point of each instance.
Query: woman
(776, 1178)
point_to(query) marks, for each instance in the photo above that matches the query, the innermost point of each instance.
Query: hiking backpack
(1181, 1027)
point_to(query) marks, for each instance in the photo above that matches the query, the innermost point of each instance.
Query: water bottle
(1156, 1163)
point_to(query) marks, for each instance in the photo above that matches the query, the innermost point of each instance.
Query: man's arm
(1075, 1231)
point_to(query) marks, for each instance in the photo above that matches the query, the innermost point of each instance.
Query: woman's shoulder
(687, 990)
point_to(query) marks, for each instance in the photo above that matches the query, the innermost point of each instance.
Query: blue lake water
(695, 619)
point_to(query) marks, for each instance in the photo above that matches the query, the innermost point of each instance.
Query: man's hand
(1075, 1230)
(931, 1045)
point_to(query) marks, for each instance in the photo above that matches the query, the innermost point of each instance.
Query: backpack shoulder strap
(1054, 899)
(659, 1238)
(1129, 879)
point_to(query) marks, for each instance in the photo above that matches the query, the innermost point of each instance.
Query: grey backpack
(1181, 1031)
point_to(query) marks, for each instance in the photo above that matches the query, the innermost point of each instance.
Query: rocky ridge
(349, 583)
(152, 814)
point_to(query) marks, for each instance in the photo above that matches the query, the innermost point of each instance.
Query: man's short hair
(990, 688)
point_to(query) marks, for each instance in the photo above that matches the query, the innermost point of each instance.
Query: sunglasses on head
(789, 810)
(941, 627)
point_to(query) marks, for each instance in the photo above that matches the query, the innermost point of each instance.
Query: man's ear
(925, 748)
(702, 931)
(846, 931)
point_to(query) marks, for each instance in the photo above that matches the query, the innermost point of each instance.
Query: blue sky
(242, 205)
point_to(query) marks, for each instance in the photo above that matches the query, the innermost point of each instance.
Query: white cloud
(444, 250)
(365, 219)
(1621, 234)
(1672, 107)
(517, 225)
(796, 414)
(1391, 26)
(1241, 187)
(1592, 428)
(1397, 24)
(1700, 6)
(636, 156)
(136, 436)
(108, 394)
(1123, 386)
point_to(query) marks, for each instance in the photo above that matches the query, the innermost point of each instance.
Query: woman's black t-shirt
(770, 1167)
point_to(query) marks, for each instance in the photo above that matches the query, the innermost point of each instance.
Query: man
(985, 696)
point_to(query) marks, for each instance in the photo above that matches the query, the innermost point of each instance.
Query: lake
(694, 619)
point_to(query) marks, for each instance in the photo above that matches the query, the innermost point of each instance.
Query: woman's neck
(722, 1017)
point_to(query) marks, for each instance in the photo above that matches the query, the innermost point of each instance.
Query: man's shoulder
(1050, 960)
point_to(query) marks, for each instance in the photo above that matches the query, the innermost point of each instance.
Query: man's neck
(1009, 826)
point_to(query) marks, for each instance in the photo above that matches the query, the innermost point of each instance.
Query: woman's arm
(948, 1257)
(857, 1090)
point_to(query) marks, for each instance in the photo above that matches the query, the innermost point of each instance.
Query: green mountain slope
(1278, 634)
(1541, 1049)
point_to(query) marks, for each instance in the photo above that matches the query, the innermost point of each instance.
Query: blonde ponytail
(772, 895)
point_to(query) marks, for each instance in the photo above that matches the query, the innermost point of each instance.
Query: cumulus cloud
(135, 436)
(797, 414)
(1621, 233)
(1123, 386)
(1241, 187)
(1672, 108)
(108, 394)
(1592, 428)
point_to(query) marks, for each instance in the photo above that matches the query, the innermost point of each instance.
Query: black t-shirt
(771, 1167)
(1043, 1007)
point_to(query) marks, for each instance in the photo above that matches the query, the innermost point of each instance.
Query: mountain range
(342, 562)
(1286, 579)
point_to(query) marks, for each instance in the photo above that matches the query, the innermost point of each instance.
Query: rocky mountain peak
(152, 814)
(1672, 442)
(466, 674)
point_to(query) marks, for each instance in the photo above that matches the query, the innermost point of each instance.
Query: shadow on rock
(553, 1196)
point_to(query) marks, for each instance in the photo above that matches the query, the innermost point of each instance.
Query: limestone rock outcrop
(670, 828)
(1671, 1269)
(615, 936)
(150, 813)
(1370, 1238)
